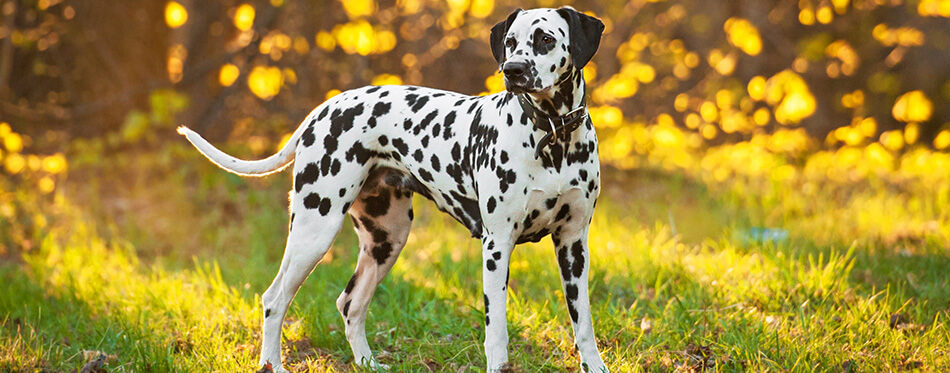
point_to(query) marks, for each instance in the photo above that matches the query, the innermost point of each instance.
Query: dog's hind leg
(314, 223)
(382, 216)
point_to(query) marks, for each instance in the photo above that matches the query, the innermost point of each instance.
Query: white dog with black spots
(512, 167)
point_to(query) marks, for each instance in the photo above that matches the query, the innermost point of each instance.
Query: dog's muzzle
(516, 76)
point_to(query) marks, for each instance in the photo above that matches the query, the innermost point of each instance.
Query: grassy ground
(158, 261)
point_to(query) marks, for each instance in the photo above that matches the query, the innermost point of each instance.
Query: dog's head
(537, 48)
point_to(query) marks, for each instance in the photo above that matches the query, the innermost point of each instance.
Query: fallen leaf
(646, 325)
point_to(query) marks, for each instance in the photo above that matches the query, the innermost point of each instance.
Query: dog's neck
(564, 97)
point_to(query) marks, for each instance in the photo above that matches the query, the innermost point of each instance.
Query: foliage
(775, 185)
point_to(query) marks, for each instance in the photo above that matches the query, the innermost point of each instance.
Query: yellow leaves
(853, 100)
(893, 140)
(482, 8)
(626, 83)
(54, 164)
(756, 88)
(175, 14)
(742, 34)
(854, 134)
(386, 79)
(176, 62)
(942, 141)
(244, 17)
(841, 6)
(620, 87)
(410, 6)
(495, 83)
(934, 8)
(13, 142)
(46, 185)
(681, 102)
(724, 64)
(709, 112)
(911, 133)
(228, 74)
(326, 41)
(790, 96)
(14, 163)
(359, 37)
(824, 15)
(605, 116)
(761, 116)
(902, 36)
(913, 106)
(806, 16)
(265, 82)
(843, 51)
(359, 8)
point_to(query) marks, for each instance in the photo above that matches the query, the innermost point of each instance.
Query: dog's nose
(514, 69)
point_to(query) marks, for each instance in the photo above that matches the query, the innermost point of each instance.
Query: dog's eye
(547, 39)
(510, 43)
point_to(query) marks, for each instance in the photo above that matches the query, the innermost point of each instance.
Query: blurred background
(775, 187)
(819, 97)
(829, 73)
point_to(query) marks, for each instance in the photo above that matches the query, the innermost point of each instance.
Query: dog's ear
(498, 37)
(585, 32)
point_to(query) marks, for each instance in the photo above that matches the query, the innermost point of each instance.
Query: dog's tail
(262, 167)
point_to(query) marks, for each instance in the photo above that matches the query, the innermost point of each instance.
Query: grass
(158, 260)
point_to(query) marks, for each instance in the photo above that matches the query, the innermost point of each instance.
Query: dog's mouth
(520, 86)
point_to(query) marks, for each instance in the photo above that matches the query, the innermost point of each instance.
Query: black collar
(558, 128)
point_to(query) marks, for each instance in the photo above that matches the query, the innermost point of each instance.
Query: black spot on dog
(419, 104)
(374, 89)
(307, 137)
(418, 155)
(377, 205)
(491, 204)
(562, 213)
(382, 252)
(577, 252)
(324, 112)
(346, 308)
(378, 234)
(550, 203)
(571, 292)
(267, 312)
(350, 284)
(309, 175)
(330, 144)
(435, 163)
(496, 255)
(401, 146)
(425, 175)
(564, 263)
(383, 140)
(381, 108)
(335, 167)
(490, 265)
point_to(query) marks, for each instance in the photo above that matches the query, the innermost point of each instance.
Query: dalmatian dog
(512, 167)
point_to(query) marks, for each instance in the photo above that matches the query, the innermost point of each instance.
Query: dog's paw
(594, 368)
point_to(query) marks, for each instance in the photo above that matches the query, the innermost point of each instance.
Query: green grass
(161, 263)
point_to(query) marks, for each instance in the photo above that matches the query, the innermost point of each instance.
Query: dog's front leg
(495, 256)
(574, 261)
